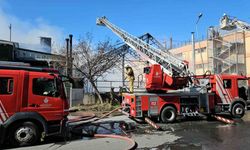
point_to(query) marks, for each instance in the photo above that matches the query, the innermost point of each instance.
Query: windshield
(243, 89)
(45, 87)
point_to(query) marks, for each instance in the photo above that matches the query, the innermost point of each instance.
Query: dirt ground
(97, 109)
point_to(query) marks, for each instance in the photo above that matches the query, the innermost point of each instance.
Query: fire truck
(32, 104)
(173, 90)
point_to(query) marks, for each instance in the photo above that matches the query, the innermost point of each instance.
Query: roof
(49, 70)
(16, 45)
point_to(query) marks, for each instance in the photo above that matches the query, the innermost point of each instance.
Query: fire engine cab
(32, 104)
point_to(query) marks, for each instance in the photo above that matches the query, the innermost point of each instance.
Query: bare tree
(92, 61)
(60, 65)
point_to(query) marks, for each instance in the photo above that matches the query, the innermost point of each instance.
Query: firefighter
(224, 21)
(131, 78)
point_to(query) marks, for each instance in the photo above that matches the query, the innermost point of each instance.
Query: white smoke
(24, 31)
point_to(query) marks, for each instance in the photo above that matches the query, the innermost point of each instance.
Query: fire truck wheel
(238, 110)
(168, 114)
(24, 134)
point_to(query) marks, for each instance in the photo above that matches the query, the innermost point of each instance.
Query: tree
(93, 61)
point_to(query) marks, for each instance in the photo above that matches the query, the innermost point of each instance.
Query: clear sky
(161, 18)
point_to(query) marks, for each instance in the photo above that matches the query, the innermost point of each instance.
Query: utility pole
(70, 55)
(123, 65)
(171, 42)
(10, 31)
(193, 52)
(196, 28)
(67, 56)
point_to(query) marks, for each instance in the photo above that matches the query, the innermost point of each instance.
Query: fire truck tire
(238, 110)
(168, 114)
(24, 134)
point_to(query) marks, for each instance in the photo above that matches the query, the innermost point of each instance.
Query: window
(6, 85)
(242, 89)
(199, 66)
(242, 83)
(201, 50)
(45, 87)
(146, 70)
(227, 83)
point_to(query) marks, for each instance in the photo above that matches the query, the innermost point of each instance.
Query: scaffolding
(226, 51)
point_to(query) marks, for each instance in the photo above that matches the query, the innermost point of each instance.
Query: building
(222, 52)
(12, 51)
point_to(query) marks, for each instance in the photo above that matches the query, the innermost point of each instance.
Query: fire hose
(78, 120)
(131, 141)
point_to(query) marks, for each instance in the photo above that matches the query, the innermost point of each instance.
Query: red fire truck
(185, 93)
(32, 104)
(211, 94)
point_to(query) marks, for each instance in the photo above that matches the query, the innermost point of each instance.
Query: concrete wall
(201, 56)
(247, 47)
(77, 97)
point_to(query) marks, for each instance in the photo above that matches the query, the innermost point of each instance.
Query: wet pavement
(197, 134)
(207, 135)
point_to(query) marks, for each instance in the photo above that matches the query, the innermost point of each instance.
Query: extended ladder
(171, 65)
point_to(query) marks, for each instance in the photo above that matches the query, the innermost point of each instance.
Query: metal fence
(86, 95)
(105, 86)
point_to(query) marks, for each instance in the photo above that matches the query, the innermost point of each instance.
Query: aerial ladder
(175, 70)
(230, 23)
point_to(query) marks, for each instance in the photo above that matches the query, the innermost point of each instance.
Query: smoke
(25, 31)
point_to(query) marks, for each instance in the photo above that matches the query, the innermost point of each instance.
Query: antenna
(10, 27)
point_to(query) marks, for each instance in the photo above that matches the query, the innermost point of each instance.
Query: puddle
(211, 135)
(86, 131)
(179, 146)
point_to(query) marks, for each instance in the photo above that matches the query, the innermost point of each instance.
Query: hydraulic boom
(170, 65)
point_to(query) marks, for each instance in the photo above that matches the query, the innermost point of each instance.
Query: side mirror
(67, 79)
(56, 94)
(10, 86)
(146, 70)
(71, 80)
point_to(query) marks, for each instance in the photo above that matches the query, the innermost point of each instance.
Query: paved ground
(207, 135)
(186, 134)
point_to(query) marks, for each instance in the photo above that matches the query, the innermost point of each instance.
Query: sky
(31, 19)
